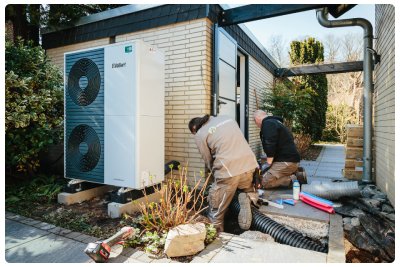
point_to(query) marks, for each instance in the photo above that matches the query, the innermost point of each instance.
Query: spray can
(296, 190)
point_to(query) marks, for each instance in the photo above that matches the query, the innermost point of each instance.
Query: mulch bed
(311, 153)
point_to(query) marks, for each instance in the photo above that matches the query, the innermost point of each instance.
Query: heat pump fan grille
(84, 82)
(84, 159)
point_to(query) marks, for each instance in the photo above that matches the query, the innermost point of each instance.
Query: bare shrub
(178, 203)
(303, 142)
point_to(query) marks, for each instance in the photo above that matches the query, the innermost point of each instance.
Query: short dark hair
(196, 123)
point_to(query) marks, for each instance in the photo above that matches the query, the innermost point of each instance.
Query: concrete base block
(78, 197)
(336, 252)
(115, 210)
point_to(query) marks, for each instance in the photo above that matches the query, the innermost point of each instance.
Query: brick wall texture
(384, 99)
(188, 57)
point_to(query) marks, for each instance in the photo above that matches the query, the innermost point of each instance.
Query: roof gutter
(322, 16)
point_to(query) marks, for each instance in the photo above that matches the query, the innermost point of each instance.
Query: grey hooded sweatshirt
(224, 148)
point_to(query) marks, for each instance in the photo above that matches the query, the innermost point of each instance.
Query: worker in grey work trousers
(232, 163)
(281, 151)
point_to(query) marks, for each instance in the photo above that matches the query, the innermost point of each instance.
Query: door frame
(246, 116)
(215, 78)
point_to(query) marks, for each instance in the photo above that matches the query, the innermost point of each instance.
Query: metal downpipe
(322, 16)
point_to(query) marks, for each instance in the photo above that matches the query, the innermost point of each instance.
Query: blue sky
(299, 25)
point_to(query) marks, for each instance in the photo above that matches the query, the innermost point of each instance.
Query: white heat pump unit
(114, 115)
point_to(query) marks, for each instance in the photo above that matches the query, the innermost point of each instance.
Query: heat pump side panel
(120, 115)
(151, 106)
(150, 160)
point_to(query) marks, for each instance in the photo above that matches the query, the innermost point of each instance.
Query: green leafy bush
(41, 189)
(311, 51)
(211, 234)
(290, 101)
(34, 105)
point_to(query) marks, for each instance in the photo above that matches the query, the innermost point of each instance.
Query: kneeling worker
(281, 151)
(232, 163)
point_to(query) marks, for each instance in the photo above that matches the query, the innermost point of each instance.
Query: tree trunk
(22, 28)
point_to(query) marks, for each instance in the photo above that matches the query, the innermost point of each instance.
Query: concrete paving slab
(329, 173)
(300, 210)
(49, 248)
(18, 233)
(60, 231)
(244, 250)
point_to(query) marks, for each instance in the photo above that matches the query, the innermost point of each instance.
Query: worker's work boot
(301, 175)
(254, 199)
(244, 217)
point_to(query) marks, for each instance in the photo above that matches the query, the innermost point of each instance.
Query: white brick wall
(384, 112)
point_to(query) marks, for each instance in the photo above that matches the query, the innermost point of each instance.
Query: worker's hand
(269, 160)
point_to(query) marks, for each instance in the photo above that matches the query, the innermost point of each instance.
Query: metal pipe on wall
(322, 16)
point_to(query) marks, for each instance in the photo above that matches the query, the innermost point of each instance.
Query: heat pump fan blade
(84, 161)
(84, 82)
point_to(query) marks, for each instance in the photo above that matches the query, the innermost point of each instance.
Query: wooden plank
(352, 174)
(248, 13)
(354, 130)
(352, 163)
(354, 142)
(320, 69)
(354, 153)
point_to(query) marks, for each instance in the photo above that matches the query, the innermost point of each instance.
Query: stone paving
(328, 166)
(28, 240)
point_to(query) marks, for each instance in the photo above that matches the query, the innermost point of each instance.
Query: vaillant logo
(118, 65)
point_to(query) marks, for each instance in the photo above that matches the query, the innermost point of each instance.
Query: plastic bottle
(296, 190)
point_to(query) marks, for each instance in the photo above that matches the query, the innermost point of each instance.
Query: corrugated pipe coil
(332, 190)
(280, 233)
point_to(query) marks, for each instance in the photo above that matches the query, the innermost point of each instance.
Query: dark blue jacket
(278, 141)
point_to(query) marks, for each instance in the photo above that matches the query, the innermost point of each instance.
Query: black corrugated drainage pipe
(322, 16)
(280, 233)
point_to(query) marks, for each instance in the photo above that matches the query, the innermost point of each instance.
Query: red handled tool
(100, 251)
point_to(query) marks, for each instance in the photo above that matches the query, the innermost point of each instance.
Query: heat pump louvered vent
(84, 82)
(84, 148)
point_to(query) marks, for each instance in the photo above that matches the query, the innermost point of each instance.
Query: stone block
(352, 174)
(352, 163)
(354, 142)
(336, 240)
(354, 152)
(185, 240)
(115, 210)
(354, 130)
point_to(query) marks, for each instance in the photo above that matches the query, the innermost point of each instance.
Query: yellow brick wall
(384, 103)
(56, 55)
